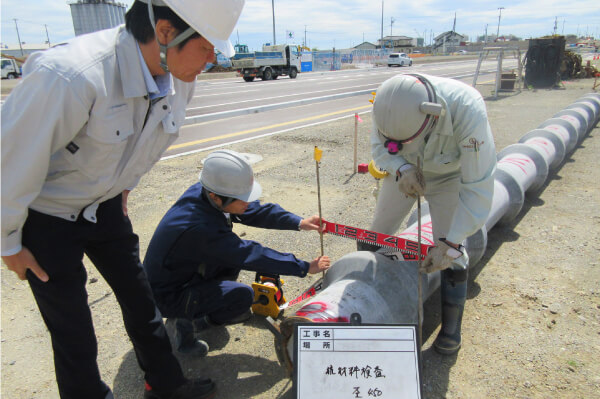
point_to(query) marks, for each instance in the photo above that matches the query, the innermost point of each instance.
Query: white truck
(272, 62)
(10, 69)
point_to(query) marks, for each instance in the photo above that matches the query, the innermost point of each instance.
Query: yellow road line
(225, 136)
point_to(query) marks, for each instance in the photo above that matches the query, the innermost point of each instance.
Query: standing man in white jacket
(444, 123)
(88, 120)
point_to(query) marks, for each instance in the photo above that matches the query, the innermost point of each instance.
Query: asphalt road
(231, 110)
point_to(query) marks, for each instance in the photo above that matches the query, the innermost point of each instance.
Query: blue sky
(342, 24)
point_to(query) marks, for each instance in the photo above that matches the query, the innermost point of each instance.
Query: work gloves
(410, 180)
(444, 256)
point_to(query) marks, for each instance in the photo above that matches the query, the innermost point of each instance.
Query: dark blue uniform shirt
(194, 240)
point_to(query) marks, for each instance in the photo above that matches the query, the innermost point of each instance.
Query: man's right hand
(320, 264)
(23, 260)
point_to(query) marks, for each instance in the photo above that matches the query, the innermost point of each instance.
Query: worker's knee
(238, 295)
(247, 296)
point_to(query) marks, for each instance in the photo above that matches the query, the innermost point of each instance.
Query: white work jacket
(80, 128)
(461, 143)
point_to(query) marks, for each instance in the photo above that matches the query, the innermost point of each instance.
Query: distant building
(94, 15)
(397, 43)
(15, 51)
(365, 46)
(449, 41)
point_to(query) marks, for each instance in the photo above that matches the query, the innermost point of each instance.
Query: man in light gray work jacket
(88, 120)
(444, 123)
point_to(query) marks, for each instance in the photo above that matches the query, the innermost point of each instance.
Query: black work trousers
(59, 246)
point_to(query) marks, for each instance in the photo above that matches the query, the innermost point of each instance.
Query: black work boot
(200, 388)
(454, 295)
(185, 342)
(241, 318)
(204, 323)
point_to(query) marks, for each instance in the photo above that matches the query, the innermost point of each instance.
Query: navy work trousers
(59, 246)
(220, 300)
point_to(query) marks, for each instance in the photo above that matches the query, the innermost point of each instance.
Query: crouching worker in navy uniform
(194, 257)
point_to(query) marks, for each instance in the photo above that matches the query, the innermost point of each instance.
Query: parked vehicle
(10, 69)
(272, 62)
(463, 52)
(399, 59)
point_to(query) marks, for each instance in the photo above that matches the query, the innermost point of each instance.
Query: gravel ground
(531, 325)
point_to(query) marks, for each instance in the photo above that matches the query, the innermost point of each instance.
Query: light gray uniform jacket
(79, 129)
(458, 160)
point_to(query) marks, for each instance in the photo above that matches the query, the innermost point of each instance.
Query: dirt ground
(531, 327)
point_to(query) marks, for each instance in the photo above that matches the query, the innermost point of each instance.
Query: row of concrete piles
(382, 287)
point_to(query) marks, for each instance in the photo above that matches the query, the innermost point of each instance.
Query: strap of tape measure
(312, 291)
(409, 249)
(383, 240)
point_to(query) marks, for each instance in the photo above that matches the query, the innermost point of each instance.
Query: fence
(336, 60)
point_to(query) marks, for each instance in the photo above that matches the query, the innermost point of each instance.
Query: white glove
(442, 257)
(410, 180)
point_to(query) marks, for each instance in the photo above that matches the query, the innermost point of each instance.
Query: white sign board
(339, 361)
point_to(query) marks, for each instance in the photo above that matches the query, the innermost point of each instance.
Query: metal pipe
(382, 288)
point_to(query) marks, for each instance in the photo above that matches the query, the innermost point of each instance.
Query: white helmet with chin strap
(212, 19)
(229, 174)
(405, 107)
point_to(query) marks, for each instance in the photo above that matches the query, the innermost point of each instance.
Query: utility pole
(382, 25)
(47, 37)
(555, 21)
(392, 20)
(18, 37)
(304, 35)
(273, 7)
(485, 37)
(499, 16)
(454, 25)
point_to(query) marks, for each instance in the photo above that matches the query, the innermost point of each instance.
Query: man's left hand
(312, 223)
(124, 201)
(442, 257)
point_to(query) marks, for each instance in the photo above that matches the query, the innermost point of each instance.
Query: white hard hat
(213, 19)
(228, 173)
(406, 107)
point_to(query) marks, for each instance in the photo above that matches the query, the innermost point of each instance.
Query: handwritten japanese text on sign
(344, 361)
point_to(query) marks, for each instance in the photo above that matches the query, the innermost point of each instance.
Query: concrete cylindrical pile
(382, 288)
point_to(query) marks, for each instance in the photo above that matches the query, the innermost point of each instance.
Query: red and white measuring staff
(408, 248)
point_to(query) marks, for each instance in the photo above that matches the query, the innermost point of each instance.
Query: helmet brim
(227, 14)
(224, 46)
(253, 195)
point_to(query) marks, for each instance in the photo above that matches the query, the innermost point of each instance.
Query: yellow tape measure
(376, 172)
(268, 296)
